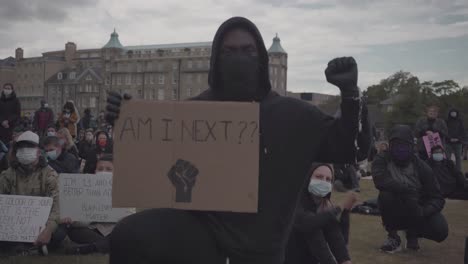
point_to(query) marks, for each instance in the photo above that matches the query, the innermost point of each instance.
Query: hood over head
(453, 110)
(214, 78)
(403, 133)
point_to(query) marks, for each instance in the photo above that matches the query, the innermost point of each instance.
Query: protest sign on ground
(88, 198)
(22, 218)
(188, 155)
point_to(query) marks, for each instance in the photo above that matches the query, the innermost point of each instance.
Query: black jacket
(10, 109)
(424, 185)
(65, 163)
(455, 127)
(293, 134)
(450, 179)
(308, 222)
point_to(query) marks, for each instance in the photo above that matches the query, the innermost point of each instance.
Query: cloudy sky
(426, 37)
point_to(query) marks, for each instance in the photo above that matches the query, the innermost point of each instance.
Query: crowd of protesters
(412, 184)
(34, 152)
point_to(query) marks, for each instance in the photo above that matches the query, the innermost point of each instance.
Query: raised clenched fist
(183, 176)
(343, 72)
(114, 100)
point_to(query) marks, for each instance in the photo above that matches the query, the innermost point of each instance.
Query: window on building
(92, 102)
(59, 76)
(128, 79)
(160, 66)
(140, 93)
(139, 66)
(174, 94)
(149, 66)
(175, 65)
(89, 78)
(107, 66)
(72, 75)
(175, 78)
(139, 79)
(199, 64)
(152, 79)
(161, 79)
(161, 94)
(189, 64)
(189, 91)
(108, 80)
(119, 79)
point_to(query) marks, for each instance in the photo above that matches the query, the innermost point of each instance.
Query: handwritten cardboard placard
(431, 141)
(88, 198)
(187, 155)
(22, 218)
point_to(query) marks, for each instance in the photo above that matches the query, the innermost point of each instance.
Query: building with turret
(278, 66)
(154, 72)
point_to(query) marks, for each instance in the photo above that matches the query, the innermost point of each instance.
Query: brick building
(154, 72)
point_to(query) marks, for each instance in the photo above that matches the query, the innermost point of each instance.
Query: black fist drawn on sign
(183, 176)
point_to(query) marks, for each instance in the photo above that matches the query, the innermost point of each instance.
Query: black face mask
(239, 77)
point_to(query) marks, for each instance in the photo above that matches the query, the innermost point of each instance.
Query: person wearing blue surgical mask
(61, 161)
(321, 229)
(453, 183)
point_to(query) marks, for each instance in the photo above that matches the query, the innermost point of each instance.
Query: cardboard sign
(88, 198)
(187, 155)
(431, 141)
(22, 218)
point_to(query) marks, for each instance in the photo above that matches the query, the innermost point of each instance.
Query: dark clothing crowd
(303, 155)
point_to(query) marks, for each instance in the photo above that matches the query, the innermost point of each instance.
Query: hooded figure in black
(409, 194)
(453, 183)
(10, 112)
(456, 136)
(293, 134)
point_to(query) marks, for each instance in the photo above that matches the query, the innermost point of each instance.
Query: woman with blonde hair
(66, 140)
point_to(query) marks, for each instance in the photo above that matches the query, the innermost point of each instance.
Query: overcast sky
(426, 37)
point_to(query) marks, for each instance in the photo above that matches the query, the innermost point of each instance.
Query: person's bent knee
(439, 228)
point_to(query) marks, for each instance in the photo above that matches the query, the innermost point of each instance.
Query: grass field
(367, 235)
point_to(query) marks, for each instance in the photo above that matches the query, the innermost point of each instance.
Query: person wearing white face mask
(321, 229)
(453, 183)
(10, 112)
(61, 161)
(30, 175)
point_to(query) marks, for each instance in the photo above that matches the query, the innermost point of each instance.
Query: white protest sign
(88, 198)
(22, 218)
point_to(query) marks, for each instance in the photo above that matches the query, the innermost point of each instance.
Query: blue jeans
(455, 148)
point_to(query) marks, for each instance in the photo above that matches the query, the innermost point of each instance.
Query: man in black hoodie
(293, 134)
(456, 135)
(409, 195)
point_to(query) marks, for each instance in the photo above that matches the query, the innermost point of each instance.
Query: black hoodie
(293, 134)
(455, 126)
(416, 179)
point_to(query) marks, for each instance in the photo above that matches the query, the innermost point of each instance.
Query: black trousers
(459, 195)
(163, 236)
(314, 247)
(85, 235)
(398, 213)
